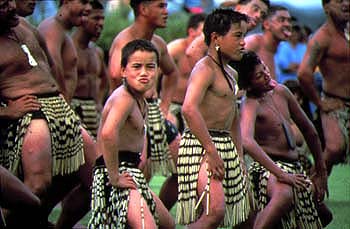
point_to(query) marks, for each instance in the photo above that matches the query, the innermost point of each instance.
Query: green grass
(338, 201)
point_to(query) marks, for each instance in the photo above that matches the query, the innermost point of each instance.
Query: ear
(143, 9)
(266, 24)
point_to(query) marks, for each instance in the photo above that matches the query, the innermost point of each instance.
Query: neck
(270, 42)
(141, 30)
(81, 38)
(63, 19)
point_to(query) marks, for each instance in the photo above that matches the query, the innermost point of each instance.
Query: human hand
(215, 165)
(319, 181)
(124, 180)
(19, 107)
(296, 180)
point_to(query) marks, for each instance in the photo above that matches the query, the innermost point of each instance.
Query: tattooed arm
(315, 50)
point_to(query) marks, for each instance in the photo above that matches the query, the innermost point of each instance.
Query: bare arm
(171, 76)
(196, 91)
(114, 67)
(113, 119)
(311, 137)
(102, 84)
(54, 44)
(314, 53)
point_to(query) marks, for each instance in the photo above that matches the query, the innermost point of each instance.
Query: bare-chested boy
(328, 49)
(42, 137)
(276, 28)
(163, 137)
(92, 84)
(210, 153)
(121, 195)
(278, 181)
(256, 10)
(177, 50)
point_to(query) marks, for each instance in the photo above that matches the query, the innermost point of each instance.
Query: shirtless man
(210, 151)
(278, 181)
(92, 82)
(177, 49)
(150, 15)
(256, 10)
(276, 28)
(328, 49)
(41, 138)
(119, 184)
(60, 45)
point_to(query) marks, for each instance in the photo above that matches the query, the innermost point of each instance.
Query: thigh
(332, 132)
(279, 191)
(216, 190)
(36, 149)
(134, 211)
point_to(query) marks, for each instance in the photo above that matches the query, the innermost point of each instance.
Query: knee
(333, 151)
(39, 185)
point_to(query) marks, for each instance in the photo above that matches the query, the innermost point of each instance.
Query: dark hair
(245, 2)
(245, 68)
(83, 1)
(195, 20)
(134, 4)
(96, 4)
(273, 9)
(324, 2)
(220, 21)
(137, 45)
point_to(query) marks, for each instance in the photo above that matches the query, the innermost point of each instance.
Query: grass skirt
(303, 214)
(66, 138)
(235, 187)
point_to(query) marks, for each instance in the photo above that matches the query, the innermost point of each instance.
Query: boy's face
(261, 79)
(157, 12)
(232, 43)
(256, 10)
(280, 25)
(93, 25)
(141, 70)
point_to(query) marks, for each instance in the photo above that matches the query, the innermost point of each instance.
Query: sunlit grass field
(338, 201)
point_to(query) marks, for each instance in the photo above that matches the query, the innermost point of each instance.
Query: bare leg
(37, 162)
(217, 202)
(169, 191)
(134, 212)
(77, 203)
(281, 199)
(334, 142)
(19, 200)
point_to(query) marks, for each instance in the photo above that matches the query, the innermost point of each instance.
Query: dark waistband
(152, 100)
(83, 98)
(214, 133)
(177, 103)
(283, 159)
(47, 95)
(131, 158)
(336, 96)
